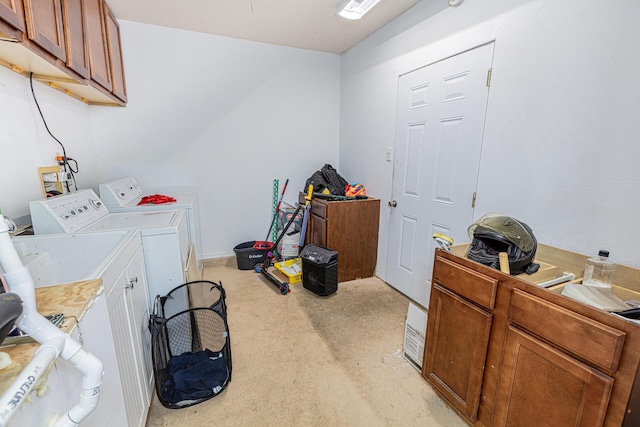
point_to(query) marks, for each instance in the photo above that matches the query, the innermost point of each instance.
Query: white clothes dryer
(164, 233)
(125, 195)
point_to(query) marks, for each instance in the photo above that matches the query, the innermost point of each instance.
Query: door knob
(393, 204)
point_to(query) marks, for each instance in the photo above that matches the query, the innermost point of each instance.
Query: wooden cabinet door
(456, 349)
(97, 40)
(11, 12)
(317, 230)
(44, 26)
(542, 386)
(75, 25)
(115, 55)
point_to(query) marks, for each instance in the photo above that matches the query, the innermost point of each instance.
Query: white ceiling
(305, 24)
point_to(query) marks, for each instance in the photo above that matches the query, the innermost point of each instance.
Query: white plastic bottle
(599, 271)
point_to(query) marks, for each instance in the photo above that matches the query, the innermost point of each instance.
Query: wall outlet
(389, 155)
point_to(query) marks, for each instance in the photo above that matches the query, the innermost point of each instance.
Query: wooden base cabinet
(349, 227)
(505, 352)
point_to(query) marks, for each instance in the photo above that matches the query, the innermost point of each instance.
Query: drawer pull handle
(132, 282)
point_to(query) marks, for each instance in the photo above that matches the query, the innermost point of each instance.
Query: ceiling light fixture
(355, 9)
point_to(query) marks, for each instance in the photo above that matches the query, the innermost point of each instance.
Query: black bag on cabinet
(329, 178)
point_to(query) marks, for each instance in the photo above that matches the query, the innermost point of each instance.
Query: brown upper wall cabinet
(70, 45)
(11, 16)
(97, 40)
(115, 55)
(75, 27)
(44, 26)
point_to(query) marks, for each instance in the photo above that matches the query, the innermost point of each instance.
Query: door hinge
(473, 200)
(489, 77)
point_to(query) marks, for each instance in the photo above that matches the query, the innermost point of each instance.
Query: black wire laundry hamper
(190, 343)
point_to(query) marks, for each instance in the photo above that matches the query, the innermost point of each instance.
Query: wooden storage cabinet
(11, 17)
(71, 45)
(75, 28)
(349, 227)
(44, 26)
(97, 42)
(533, 357)
(115, 55)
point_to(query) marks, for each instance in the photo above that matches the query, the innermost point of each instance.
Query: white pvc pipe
(25, 382)
(54, 343)
(566, 277)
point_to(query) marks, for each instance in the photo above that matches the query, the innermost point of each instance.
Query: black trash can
(319, 270)
(248, 254)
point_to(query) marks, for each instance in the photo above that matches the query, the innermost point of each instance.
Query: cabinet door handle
(132, 282)
(393, 204)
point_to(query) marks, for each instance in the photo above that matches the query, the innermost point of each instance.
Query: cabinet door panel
(457, 342)
(139, 297)
(318, 230)
(115, 55)
(44, 25)
(74, 31)
(11, 13)
(121, 317)
(540, 385)
(97, 41)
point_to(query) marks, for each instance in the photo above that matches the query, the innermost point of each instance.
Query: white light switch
(389, 156)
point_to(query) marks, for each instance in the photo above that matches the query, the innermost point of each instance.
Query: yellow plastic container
(289, 269)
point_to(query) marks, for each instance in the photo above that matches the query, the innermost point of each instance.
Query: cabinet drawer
(598, 344)
(319, 209)
(470, 284)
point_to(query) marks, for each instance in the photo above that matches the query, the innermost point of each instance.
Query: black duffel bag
(329, 178)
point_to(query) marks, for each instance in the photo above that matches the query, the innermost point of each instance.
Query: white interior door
(439, 129)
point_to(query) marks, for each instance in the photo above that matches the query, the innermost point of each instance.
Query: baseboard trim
(220, 262)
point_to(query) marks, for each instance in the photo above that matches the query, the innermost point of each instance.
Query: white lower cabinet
(114, 329)
(128, 315)
(62, 388)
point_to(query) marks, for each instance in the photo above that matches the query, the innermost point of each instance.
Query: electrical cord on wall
(65, 160)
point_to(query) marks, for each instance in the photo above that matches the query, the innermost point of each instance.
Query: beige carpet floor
(304, 360)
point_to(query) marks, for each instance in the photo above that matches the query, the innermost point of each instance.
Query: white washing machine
(164, 233)
(125, 194)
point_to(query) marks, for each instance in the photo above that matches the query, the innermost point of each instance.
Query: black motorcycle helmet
(494, 233)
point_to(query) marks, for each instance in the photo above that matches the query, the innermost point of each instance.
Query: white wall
(25, 145)
(561, 148)
(223, 117)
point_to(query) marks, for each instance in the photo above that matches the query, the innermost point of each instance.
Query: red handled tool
(156, 199)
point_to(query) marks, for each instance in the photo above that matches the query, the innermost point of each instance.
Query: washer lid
(149, 222)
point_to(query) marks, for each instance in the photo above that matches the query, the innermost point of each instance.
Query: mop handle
(282, 195)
